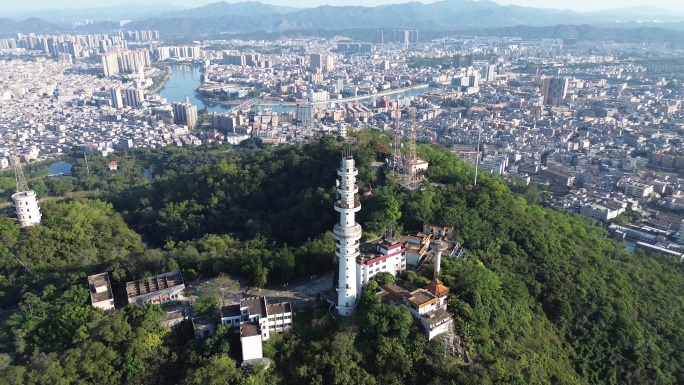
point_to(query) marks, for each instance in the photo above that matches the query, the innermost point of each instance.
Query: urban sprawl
(598, 123)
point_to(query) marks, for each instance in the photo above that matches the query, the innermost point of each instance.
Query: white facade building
(681, 233)
(386, 256)
(316, 97)
(250, 340)
(601, 212)
(347, 236)
(268, 318)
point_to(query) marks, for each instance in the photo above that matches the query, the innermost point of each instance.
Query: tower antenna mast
(396, 156)
(413, 158)
(477, 155)
(85, 156)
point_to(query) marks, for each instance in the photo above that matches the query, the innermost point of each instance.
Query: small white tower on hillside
(439, 248)
(25, 200)
(347, 235)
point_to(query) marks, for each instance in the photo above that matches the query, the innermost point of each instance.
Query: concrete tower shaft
(26, 208)
(347, 236)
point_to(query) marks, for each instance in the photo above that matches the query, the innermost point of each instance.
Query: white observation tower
(347, 235)
(25, 200)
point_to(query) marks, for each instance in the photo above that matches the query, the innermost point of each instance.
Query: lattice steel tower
(412, 161)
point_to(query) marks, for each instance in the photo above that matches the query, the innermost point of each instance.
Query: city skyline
(578, 5)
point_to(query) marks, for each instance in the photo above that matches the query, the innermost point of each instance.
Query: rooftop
(397, 290)
(156, 283)
(100, 289)
(256, 305)
(437, 288)
(231, 311)
(419, 298)
(279, 308)
(249, 330)
(201, 321)
(436, 317)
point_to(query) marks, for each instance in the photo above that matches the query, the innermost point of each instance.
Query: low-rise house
(101, 294)
(162, 288)
(203, 326)
(256, 310)
(427, 305)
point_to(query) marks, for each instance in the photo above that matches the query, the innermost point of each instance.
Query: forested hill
(544, 298)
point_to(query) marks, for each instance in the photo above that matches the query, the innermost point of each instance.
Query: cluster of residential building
(75, 46)
(565, 113)
(46, 109)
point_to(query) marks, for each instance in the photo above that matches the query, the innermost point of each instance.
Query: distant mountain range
(114, 13)
(255, 16)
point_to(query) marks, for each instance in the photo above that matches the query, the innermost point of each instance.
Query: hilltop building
(162, 288)
(274, 318)
(427, 305)
(383, 255)
(203, 326)
(438, 231)
(101, 294)
(255, 320)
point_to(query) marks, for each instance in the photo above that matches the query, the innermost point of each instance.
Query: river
(185, 78)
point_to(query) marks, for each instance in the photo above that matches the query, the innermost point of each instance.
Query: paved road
(306, 289)
(295, 291)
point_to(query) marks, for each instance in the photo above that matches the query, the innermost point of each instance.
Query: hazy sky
(578, 5)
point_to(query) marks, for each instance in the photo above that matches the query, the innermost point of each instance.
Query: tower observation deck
(347, 235)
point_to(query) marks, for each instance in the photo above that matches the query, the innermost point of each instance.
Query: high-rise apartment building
(133, 97)
(329, 63)
(305, 114)
(185, 113)
(463, 60)
(413, 36)
(379, 37)
(126, 61)
(234, 59)
(488, 73)
(115, 96)
(110, 64)
(554, 91)
(315, 61)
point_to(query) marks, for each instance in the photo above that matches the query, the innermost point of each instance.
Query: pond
(60, 167)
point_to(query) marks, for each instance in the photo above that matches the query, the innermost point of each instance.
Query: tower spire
(347, 234)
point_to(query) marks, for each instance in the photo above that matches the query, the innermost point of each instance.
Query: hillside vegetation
(543, 298)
